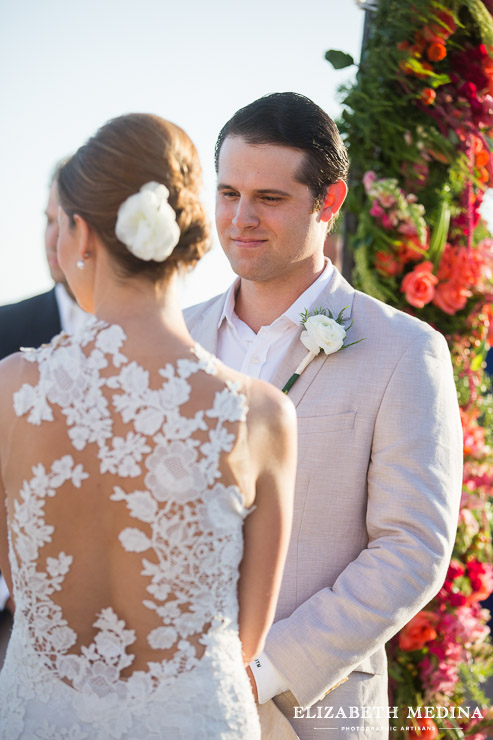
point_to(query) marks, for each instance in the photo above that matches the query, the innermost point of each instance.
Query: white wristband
(268, 679)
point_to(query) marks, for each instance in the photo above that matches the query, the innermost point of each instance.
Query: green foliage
(339, 59)
(413, 136)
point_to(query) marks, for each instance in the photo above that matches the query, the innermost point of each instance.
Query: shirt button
(254, 359)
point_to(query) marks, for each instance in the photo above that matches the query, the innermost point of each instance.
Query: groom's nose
(245, 215)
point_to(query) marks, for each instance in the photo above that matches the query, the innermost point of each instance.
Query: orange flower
(427, 96)
(419, 631)
(419, 285)
(425, 729)
(482, 158)
(484, 175)
(436, 52)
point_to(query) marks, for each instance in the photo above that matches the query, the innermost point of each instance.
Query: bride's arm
(9, 374)
(273, 450)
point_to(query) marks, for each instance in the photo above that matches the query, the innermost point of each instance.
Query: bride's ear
(334, 198)
(85, 238)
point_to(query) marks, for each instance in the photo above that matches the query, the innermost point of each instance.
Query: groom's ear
(334, 198)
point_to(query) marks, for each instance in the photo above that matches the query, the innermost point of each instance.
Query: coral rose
(450, 297)
(419, 631)
(419, 285)
(425, 729)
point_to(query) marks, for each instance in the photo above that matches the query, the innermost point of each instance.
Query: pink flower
(368, 179)
(387, 200)
(376, 210)
(470, 522)
(407, 228)
(441, 678)
(386, 222)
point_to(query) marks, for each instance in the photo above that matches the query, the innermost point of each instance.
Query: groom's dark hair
(293, 120)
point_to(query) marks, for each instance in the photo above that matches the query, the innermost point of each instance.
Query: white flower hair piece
(146, 223)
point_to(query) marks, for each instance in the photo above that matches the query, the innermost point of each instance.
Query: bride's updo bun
(125, 155)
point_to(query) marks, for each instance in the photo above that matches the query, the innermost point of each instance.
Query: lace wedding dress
(125, 536)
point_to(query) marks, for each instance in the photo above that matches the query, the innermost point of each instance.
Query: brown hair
(123, 155)
(293, 120)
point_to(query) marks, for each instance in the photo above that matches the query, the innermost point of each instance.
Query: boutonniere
(321, 332)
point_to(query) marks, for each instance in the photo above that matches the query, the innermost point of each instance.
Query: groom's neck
(260, 303)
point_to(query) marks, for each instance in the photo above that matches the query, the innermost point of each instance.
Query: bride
(148, 488)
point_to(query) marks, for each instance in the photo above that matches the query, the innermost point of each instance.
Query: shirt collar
(229, 304)
(293, 313)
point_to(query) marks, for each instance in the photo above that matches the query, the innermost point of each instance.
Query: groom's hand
(253, 683)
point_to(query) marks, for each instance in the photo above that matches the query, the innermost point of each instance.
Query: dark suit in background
(29, 323)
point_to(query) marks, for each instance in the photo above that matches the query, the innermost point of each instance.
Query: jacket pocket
(316, 424)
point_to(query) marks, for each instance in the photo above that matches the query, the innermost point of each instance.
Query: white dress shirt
(259, 356)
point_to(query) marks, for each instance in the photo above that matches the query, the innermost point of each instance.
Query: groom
(379, 468)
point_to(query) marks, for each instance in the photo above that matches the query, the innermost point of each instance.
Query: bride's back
(125, 509)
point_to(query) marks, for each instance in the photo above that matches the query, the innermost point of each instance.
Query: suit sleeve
(414, 486)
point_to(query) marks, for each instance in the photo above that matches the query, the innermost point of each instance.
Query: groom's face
(264, 215)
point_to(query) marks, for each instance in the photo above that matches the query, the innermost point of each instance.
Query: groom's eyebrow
(263, 191)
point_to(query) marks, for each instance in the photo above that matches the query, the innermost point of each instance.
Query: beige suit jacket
(377, 492)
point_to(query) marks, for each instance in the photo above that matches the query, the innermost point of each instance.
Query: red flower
(408, 249)
(481, 578)
(425, 729)
(387, 264)
(419, 631)
(449, 26)
(419, 285)
(455, 570)
(457, 599)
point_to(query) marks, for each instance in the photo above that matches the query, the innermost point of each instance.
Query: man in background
(37, 320)
(32, 322)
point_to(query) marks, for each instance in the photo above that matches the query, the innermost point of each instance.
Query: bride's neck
(137, 303)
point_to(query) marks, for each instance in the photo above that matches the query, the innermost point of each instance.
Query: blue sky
(66, 67)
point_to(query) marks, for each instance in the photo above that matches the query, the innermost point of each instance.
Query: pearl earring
(80, 264)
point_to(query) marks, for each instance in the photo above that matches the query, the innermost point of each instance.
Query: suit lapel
(337, 295)
(205, 330)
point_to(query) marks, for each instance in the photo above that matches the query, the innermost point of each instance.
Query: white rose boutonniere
(321, 333)
(146, 223)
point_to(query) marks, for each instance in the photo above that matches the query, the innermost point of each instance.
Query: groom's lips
(248, 243)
